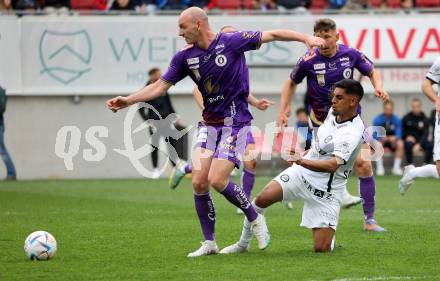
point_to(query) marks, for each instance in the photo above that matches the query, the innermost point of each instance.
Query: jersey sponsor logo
(206, 58)
(328, 139)
(321, 79)
(220, 60)
(248, 35)
(318, 66)
(347, 63)
(284, 178)
(347, 73)
(217, 98)
(192, 60)
(219, 46)
(344, 59)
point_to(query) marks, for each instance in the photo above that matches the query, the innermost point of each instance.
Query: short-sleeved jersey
(434, 73)
(322, 73)
(342, 140)
(221, 74)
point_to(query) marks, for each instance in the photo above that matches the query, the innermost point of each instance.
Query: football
(40, 245)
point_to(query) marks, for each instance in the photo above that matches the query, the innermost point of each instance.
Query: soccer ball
(40, 245)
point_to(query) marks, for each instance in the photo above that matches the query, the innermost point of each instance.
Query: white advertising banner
(89, 55)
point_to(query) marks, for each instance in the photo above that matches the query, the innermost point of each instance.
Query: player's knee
(217, 181)
(200, 186)
(363, 168)
(250, 165)
(263, 200)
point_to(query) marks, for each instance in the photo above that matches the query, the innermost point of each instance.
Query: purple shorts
(227, 142)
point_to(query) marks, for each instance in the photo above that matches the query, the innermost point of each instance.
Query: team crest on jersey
(347, 73)
(220, 60)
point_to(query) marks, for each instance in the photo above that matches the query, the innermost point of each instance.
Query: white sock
(246, 234)
(259, 210)
(379, 164)
(424, 172)
(397, 163)
(332, 246)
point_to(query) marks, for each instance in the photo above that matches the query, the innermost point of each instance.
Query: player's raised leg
(203, 202)
(367, 190)
(178, 172)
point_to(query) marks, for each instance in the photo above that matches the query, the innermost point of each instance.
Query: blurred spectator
(415, 132)
(356, 5)
(121, 5)
(145, 6)
(10, 169)
(337, 4)
(55, 4)
(5, 5)
(305, 134)
(265, 5)
(393, 138)
(173, 4)
(293, 4)
(25, 4)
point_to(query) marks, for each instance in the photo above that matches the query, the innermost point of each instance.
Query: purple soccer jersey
(323, 72)
(220, 73)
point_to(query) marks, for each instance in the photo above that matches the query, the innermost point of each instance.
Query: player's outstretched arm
(326, 166)
(429, 92)
(261, 104)
(376, 81)
(198, 97)
(290, 35)
(287, 92)
(149, 92)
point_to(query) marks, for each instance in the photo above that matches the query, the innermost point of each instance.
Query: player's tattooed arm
(376, 81)
(261, 104)
(290, 35)
(149, 92)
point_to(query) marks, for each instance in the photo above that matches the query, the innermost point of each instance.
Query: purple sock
(367, 189)
(206, 212)
(247, 182)
(236, 196)
(188, 169)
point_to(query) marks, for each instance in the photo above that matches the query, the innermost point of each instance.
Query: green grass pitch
(141, 230)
